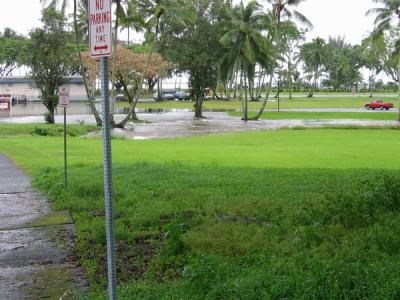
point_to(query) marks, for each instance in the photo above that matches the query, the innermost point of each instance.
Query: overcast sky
(329, 17)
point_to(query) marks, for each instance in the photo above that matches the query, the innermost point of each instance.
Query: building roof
(7, 80)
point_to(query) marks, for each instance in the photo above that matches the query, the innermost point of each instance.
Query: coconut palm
(285, 8)
(373, 51)
(152, 13)
(131, 19)
(245, 44)
(313, 55)
(386, 15)
(281, 9)
(81, 12)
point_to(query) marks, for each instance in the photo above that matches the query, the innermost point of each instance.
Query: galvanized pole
(108, 180)
(65, 148)
(398, 76)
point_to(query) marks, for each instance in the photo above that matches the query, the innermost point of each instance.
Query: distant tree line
(236, 51)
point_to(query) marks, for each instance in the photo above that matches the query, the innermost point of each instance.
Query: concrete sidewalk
(34, 242)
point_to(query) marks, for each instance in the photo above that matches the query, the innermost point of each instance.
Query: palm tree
(313, 55)
(373, 51)
(81, 12)
(131, 19)
(281, 9)
(152, 13)
(284, 8)
(385, 17)
(245, 44)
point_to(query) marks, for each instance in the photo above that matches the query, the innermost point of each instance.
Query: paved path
(34, 242)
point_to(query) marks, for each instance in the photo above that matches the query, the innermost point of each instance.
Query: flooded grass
(293, 214)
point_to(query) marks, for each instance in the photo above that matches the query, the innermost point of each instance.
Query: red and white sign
(100, 28)
(5, 102)
(63, 96)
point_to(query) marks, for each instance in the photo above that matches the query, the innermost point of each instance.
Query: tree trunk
(371, 83)
(290, 78)
(159, 96)
(264, 104)
(314, 85)
(241, 88)
(232, 81)
(49, 116)
(268, 90)
(139, 89)
(88, 93)
(176, 81)
(245, 113)
(236, 80)
(151, 83)
(251, 89)
(198, 112)
(260, 85)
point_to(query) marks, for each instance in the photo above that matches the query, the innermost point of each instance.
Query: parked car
(181, 95)
(120, 98)
(172, 95)
(379, 104)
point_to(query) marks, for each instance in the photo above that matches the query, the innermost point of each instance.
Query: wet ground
(181, 123)
(35, 242)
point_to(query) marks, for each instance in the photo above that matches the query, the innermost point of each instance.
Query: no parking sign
(5, 102)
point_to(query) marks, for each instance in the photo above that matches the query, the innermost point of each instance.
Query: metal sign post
(100, 39)
(108, 179)
(63, 101)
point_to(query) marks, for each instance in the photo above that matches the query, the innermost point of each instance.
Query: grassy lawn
(285, 102)
(294, 214)
(44, 129)
(293, 115)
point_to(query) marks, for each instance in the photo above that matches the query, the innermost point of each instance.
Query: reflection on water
(83, 108)
(37, 109)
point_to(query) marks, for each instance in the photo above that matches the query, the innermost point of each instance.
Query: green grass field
(286, 214)
(298, 102)
(294, 115)
(44, 129)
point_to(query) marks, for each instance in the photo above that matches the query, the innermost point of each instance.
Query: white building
(22, 87)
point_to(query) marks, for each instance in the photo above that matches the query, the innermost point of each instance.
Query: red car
(379, 104)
